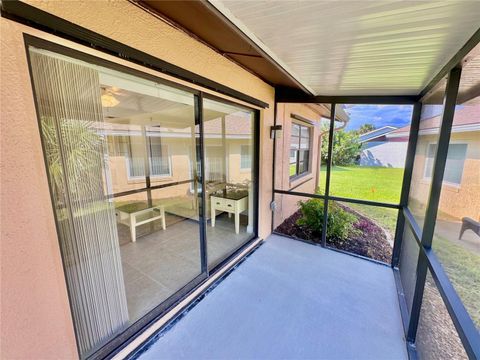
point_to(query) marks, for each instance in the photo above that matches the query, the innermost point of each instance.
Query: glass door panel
(229, 177)
(122, 162)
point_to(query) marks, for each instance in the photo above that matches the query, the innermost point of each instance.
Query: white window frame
(152, 176)
(428, 177)
(310, 138)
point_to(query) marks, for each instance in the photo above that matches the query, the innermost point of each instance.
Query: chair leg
(462, 230)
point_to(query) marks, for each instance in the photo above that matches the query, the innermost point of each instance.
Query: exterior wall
(287, 204)
(461, 201)
(384, 154)
(36, 320)
(35, 314)
(455, 201)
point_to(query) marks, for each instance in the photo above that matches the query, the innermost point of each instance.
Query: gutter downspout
(319, 151)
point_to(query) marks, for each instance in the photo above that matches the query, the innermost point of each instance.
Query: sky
(378, 115)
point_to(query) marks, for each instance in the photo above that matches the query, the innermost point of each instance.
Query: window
(245, 157)
(159, 159)
(132, 148)
(455, 162)
(299, 150)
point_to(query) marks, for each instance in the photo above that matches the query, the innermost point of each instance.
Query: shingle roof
(376, 133)
(464, 115)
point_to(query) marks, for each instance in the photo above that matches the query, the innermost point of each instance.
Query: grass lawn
(463, 270)
(368, 183)
(384, 185)
(365, 182)
(384, 217)
(293, 169)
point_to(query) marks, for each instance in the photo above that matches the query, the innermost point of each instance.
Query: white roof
(357, 47)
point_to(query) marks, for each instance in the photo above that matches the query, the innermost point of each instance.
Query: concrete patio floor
(292, 300)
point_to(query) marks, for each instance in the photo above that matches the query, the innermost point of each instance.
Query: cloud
(378, 115)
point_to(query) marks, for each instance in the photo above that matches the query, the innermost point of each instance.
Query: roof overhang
(203, 21)
(332, 51)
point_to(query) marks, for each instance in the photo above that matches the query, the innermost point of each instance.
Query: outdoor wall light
(276, 132)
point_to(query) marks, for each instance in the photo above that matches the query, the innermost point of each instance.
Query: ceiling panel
(358, 47)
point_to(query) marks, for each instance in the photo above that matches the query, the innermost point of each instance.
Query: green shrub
(340, 222)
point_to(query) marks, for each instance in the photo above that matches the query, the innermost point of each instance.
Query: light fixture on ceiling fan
(108, 98)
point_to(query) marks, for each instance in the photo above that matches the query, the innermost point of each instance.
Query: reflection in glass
(115, 145)
(229, 176)
(150, 132)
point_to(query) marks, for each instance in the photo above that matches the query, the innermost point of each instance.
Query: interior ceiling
(357, 47)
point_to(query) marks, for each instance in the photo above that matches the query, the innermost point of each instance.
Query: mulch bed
(370, 240)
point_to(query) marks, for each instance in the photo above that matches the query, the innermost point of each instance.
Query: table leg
(237, 222)
(132, 227)
(212, 215)
(162, 213)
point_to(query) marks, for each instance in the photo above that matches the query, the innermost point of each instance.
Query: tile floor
(161, 262)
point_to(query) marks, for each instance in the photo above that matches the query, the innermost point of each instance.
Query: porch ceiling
(357, 47)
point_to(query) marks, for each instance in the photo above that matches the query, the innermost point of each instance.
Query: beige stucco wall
(35, 316)
(286, 205)
(455, 201)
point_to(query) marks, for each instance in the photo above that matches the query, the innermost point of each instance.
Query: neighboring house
(381, 149)
(461, 180)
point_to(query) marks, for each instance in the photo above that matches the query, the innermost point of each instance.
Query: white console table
(232, 205)
(133, 215)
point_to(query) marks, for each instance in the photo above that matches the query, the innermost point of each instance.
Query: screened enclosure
(407, 196)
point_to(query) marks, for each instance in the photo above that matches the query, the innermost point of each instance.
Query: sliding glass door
(140, 178)
(120, 155)
(229, 177)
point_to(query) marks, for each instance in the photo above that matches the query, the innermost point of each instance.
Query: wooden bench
(136, 214)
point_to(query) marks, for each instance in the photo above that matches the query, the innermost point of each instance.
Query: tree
(365, 128)
(73, 150)
(345, 150)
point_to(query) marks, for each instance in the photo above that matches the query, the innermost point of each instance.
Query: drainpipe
(319, 150)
